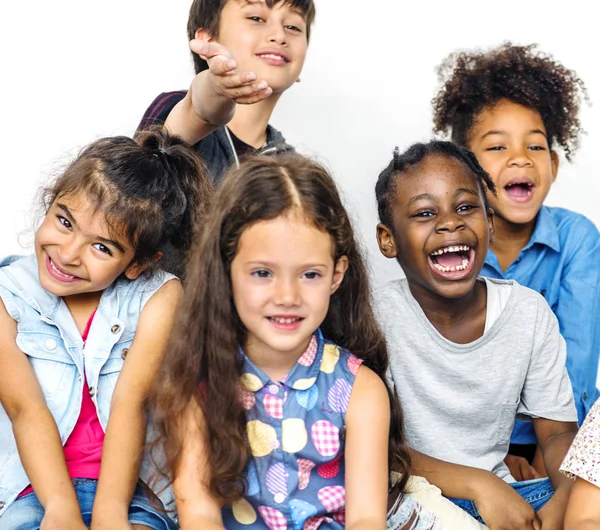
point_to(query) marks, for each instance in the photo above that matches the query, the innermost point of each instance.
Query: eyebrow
(429, 197)
(421, 197)
(271, 265)
(500, 132)
(470, 191)
(103, 240)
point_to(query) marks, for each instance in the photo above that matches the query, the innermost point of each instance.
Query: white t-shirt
(460, 401)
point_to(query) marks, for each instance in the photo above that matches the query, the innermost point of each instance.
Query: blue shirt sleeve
(578, 312)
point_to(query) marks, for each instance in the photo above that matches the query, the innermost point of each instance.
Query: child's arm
(213, 94)
(554, 439)
(366, 457)
(126, 430)
(34, 428)
(583, 510)
(195, 506)
(498, 504)
(578, 314)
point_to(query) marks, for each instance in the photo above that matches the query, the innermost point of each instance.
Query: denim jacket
(47, 334)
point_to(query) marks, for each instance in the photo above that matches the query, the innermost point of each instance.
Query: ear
(492, 224)
(203, 34)
(135, 268)
(339, 272)
(555, 160)
(386, 242)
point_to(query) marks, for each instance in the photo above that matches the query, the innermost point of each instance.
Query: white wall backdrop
(75, 70)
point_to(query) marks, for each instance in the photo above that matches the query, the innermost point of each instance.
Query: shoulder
(159, 109)
(140, 290)
(532, 311)
(339, 361)
(368, 394)
(391, 292)
(574, 229)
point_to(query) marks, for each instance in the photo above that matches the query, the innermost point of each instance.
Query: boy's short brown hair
(206, 14)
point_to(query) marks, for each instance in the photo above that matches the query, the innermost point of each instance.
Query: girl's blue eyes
(311, 275)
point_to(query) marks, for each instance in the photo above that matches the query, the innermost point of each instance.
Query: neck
(511, 238)
(250, 122)
(276, 364)
(460, 320)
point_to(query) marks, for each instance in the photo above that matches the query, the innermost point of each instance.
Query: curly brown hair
(202, 363)
(474, 80)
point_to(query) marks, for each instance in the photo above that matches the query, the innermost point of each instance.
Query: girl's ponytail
(185, 191)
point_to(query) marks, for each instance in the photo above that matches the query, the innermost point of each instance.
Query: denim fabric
(27, 513)
(561, 262)
(48, 336)
(536, 492)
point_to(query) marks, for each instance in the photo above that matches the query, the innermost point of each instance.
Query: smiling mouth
(59, 273)
(455, 258)
(273, 58)
(520, 191)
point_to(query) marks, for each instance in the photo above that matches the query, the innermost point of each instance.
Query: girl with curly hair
(513, 106)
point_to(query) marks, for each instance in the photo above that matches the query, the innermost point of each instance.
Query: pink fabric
(83, 448)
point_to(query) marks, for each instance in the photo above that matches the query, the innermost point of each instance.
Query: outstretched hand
(241, 87)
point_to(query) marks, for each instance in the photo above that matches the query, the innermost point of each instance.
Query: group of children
(269, 387)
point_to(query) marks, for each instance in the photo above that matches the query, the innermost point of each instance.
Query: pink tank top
(83, 448)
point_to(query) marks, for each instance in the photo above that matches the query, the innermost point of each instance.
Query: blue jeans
(26, 513)
(536, 492)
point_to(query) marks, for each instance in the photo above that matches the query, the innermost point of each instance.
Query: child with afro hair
(513, 106)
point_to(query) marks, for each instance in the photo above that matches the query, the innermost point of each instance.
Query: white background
(74, 70)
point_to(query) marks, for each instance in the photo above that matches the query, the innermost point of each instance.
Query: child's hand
(520, 469)
(502, 508)
(240, 87)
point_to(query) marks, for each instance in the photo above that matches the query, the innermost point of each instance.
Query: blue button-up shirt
(562, 262)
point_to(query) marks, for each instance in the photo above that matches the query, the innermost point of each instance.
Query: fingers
(208, 50)
(256, 97)
(528, 472)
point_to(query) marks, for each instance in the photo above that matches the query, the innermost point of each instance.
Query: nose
(69, 252)
(276, 33)
(287, 292)
(450, 222)
(519, 158)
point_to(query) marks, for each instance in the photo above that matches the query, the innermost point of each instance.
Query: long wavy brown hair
(203, 363)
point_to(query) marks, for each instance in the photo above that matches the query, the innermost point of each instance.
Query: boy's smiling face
(271, 42)
(511, 144)
(441, 229)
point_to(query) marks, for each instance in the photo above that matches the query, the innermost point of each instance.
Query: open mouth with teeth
(274, 58)
(453, 261)
(520, 190)
(287, 323)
